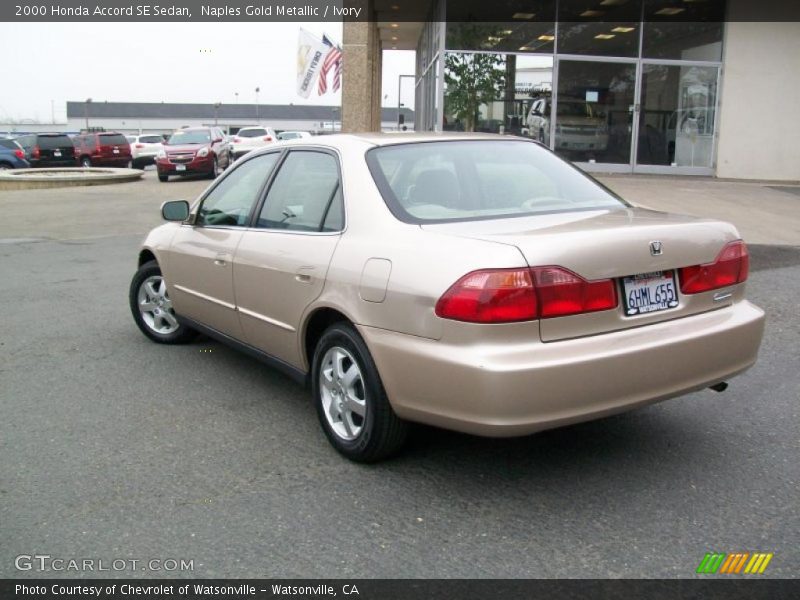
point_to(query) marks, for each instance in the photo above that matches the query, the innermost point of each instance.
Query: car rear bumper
(119, 162)
(499, 390)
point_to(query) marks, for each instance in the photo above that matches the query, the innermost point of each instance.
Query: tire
(163, 178)
(4, 166)
(86, 162)
(214, 169)
(369, 435)
(158, 323)
(129, 164)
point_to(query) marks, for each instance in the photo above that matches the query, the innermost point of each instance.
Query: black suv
(48, 149)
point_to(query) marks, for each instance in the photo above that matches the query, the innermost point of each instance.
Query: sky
(169, 62)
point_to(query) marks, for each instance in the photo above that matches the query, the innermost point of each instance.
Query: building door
(677, 118)
(594, 123)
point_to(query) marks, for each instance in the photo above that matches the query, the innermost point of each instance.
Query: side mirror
(175, 210)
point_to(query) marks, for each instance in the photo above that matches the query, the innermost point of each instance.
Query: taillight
(36, 152)
(491, 296)
(236, 140)
(19, 153)
(731, 266)
(139, 146)
(506, 295)
(561, 292)
(268, 138)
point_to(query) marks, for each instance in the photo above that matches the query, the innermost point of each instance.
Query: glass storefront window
(611, 28)
(492, 92)
(676, 120)
(692, 33)
(594, 111)
(491, 27)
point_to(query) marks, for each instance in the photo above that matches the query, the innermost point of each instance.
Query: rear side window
(305, 195)
(436, 182)
(112, 139)
(10, 144)
(251, 133)
(50, 142)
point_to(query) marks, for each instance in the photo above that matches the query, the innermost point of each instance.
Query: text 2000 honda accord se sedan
(473, 282)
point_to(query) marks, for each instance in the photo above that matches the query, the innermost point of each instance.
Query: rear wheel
(129, 164)
(4, 166)
(152, 308)
(86, 162)
(351, 403)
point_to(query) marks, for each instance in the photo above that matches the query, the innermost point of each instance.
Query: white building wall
(759, 121)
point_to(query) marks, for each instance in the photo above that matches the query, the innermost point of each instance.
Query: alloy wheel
(155, 306)
(343, 393)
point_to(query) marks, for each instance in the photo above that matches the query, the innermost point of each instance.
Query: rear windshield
(151, 139)
(189, 137)
(10, 144)
(252, 132)
(49, 142)
(115, 139)
(434, 182)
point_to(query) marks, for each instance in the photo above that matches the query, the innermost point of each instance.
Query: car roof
(348, 140)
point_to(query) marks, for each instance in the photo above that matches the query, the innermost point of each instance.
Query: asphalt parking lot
(117, 448)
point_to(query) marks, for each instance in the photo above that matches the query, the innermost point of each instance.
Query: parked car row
(187, 151)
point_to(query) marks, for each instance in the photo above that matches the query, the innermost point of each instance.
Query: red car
(192, 151)
(107, 149)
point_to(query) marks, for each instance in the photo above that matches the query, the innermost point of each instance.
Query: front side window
(468, 180)
(230, 202)
(306, 195)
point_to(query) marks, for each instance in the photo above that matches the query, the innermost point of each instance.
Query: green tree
(472, 80)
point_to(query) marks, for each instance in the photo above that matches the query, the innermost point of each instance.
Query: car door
(199, 268)
(282, 261)
(220, 147)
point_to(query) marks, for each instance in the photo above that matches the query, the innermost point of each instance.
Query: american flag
(332, 59)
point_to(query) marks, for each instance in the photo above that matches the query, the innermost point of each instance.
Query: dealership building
(684, 87)
(165, 117)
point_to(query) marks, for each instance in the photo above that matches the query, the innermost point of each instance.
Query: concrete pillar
(361, 73)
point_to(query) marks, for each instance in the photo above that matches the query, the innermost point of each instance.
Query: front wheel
(351, 403)
(163, 178)
(214, 169)
(152, 308)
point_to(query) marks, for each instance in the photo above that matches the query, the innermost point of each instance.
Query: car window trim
(276, 170)
(194, 214)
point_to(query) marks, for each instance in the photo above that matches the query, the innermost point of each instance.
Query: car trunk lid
(609, 244)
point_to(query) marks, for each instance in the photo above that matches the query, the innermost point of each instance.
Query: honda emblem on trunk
(655, 248)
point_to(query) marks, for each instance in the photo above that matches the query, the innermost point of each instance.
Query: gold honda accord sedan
(472, 282)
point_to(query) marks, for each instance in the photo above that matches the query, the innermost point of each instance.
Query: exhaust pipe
(719, 387)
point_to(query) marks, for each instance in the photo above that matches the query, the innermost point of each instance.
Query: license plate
(57, 153)
(649, 292)
(115, 150)
(180, 167)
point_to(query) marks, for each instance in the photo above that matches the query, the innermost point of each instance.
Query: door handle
(220, 259)
(304, 274)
